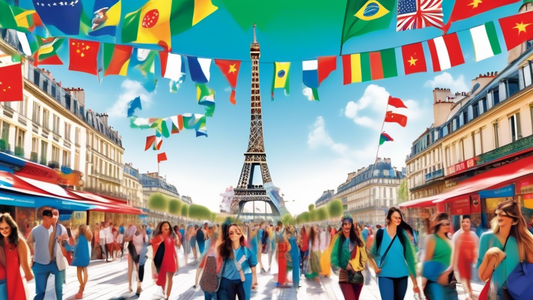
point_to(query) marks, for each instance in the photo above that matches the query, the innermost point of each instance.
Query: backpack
(209, 281)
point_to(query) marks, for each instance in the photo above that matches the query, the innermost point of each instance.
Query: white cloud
(131, 89)
(446, 80)
(320, 137)
(373, 104)
(308, 92)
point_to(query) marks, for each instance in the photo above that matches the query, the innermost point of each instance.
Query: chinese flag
(517, 29)
(396, 102)
(396, 118)
(230, 69)
(83, 56)
(464, 9)
(11, 84)
(413, 58)
(161, 157)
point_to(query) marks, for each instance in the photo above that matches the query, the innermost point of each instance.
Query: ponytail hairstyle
(519, 230)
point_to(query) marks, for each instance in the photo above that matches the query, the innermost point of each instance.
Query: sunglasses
(501, 214)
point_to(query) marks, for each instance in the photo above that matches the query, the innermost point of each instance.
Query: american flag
(416, 14)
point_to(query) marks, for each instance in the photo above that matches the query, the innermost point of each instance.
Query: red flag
(161, 157)
(464, 9)
(11, 84)
(230, 69)
(396, 102)
(150, 140)
(396, 118)
(326, 65)
(413, 58)
(517, 29)
(83, 56)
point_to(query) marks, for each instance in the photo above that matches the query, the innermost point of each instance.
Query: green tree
(335, 208)
(174, 206)
(158, 202)
(322, 213)
(311, 207)
(303, 218)
(287, 219)
(185, 211)
(199, 212)
(403, 191)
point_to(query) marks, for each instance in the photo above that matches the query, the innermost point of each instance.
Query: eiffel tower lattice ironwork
(255, 156)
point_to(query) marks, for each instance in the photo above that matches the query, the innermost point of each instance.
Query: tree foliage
(287, 219)
(174, 206)
(311, 207)
(322, 213)
(313, 215)
(303, 218)
(199, 212)
(335, 208)
(403, 191)
(158, 202)
(185, 210)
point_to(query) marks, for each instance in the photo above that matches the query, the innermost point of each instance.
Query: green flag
(367, 16)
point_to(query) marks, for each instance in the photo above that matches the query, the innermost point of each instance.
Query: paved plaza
(109, 281)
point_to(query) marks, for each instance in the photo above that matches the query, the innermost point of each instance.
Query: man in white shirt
(102, 240)
(109, 240)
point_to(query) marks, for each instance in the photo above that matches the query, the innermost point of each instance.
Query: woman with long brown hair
(165, 256)
(14, 254)
(314, 269)
(235, 257)
(509, 239)
(349, 254)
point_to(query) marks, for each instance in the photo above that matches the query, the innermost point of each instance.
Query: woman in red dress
(14, 254)
(165, 256)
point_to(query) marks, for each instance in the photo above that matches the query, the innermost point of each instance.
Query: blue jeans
(42, 272)
(230, 289)
(210, 296)
(247, 284)
(392, 288)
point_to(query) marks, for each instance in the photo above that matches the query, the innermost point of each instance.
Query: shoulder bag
(382, 261)
(520, 280)
(356, 277)
(209, 282)
(485, 292)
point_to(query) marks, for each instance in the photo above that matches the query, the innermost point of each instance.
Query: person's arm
(64, 234)
(24, 259)
(30, 242)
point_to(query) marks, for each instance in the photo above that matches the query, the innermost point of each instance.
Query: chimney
(442, 104)
(483, 80)
(77, 93)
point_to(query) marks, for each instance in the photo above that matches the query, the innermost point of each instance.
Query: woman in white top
(136, 237)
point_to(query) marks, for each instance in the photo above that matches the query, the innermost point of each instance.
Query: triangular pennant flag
(281, 77)
(199, 69)
(396, 102)
(133, 105)
(230, 69)
(150, 140)
(385, 138)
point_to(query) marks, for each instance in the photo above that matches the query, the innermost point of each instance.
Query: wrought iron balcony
(107, 193)
(106, 177)
(516, 146)
(435, 174)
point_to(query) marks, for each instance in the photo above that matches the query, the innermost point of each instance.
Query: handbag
(486, 291)
(356, 277)
(209, 281)
(520, 280)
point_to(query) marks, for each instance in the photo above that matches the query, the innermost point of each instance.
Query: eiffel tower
(255, 156)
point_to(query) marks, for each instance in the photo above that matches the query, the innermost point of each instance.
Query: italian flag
(369, 66)
(485, 40)
(445, 52)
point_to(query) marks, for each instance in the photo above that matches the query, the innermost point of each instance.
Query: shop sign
(475, 206)
(460, 207)
(506, 191)
(525, 188)
(516, 146)
(462, 166)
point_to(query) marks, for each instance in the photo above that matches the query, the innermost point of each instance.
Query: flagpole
(380, 132)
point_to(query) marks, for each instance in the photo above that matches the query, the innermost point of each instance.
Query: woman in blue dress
(295, 256)
(82, 257)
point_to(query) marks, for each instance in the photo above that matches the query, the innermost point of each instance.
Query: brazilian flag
(367, 16)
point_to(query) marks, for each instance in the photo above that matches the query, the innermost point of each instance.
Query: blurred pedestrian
(165, 256)
(82, 257)
(465, 244)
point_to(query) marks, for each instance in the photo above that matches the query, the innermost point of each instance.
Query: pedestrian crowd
(230, 255)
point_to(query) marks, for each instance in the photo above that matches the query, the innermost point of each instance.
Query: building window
(473, 144)
(483, 105)
(67, 131)
(55, 154)
(514, 125)
(46, 119)
(34, 145)
(56, 125)
(44, 151)
(496, 136)
(19, 137)
(475, 109)
(461, 146)
(22, 106)
(495, 97)
(448, 158)
(465, 116)
(66, 158)
(531, 114)
(36, 113)
(481, 140)
(77, 136)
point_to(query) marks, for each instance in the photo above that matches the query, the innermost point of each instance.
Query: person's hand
(378, 270)
(29, 277)
(416, 289)
(254, 281)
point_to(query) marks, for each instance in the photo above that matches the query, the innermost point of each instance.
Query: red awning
(500, 176)
(50, 188)
(106, 205)
(422, 202)
(18, 184)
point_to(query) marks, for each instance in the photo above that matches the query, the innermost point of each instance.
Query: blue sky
(311, 146)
